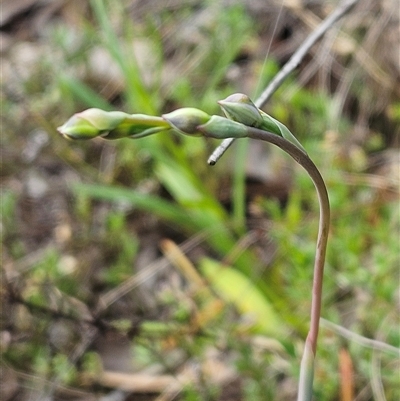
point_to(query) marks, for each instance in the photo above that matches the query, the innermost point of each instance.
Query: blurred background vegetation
(132, 270)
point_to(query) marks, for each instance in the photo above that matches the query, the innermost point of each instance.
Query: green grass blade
(83, 93)
(150, 203)
(137, 94)
(187, 189)
(239, 188)
(236, 288)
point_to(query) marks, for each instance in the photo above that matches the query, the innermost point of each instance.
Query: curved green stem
(324, 221)
(307, 363)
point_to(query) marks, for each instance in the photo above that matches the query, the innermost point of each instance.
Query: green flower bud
(90, 123)
(111, 125)
(238, 107)
(186, 120)
(221, 128)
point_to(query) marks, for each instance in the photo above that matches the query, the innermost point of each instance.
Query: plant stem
(324, 220)
(290, 66)
(310, 349)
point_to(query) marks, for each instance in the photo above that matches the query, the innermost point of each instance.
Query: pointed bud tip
(236, 98)
(61, 131)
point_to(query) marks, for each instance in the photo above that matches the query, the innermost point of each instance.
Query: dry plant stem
(290, 66)
(360, 340)
(324, 220)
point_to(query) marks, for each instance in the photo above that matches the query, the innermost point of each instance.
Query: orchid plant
(243, 120)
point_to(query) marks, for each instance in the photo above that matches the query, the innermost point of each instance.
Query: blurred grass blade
(187, 189)
(232, 32)
(138, 96)
(239, 187)
(190, 220)
(190, 216)
(149, 203)
(236, 288)
(83, 93)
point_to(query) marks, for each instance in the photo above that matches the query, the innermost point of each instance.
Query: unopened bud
(238, 107)
(90, 123)
(221, 128)
(111, 125)
(186, 120)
